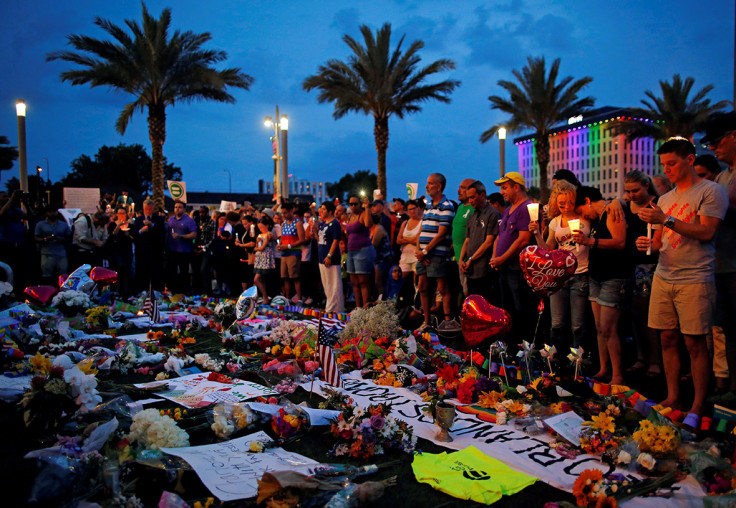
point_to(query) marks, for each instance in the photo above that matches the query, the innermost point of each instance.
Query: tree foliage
(672, 114)
(8, 154)
(127, 167)
(380, 81)
(158, 68)
(353, 183)
(538, 102)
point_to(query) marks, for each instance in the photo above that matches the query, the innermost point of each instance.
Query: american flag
(150, 306)
(326, 358)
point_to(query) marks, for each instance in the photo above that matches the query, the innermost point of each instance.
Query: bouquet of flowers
(600, 434)
(71, 302)
(287, 424)
(230, 418)
(379, 321)
(153, 430)
(362, 433)
(656, 439)
(97, 317)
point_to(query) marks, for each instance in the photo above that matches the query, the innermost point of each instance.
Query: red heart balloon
(41, 294)
(547, 271)
(103, 276)
(480, 320)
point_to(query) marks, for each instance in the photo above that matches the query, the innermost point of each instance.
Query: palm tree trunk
(541, 145)
(380, 132)
(157, 135)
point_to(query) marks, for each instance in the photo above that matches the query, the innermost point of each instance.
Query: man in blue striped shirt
(433, 255)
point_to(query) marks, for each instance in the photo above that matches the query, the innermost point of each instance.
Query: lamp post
(502, 150)
(280, 156)
(229, 180)
(20, 111)
(39, 169)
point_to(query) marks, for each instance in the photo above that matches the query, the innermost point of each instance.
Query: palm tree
(159, 69)
(378, 81)
(539, 102)
(672, 114)
(8, 154)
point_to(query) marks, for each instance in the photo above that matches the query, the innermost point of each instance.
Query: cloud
(346, 21)
(554, 32)
(436, 34)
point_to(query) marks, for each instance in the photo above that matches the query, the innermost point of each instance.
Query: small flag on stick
(150, 306)
(326, 358)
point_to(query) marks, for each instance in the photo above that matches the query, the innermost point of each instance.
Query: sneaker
(449, 326)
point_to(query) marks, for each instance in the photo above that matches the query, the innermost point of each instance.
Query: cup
(444, 418)
(574, 225)
(533, 211)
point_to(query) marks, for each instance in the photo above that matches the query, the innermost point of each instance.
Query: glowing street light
(502, 150)
(280, 153)
(20, 111)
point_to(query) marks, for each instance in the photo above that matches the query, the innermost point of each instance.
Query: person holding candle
(569, 305)
(608, 268)
(641, 193)
(683, 287)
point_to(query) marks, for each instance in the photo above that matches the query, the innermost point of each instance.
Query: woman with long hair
(361, 253)
(569, 305)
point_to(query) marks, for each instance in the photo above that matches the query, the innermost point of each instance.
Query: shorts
(407, 267)
(53, 266)
(688, 307)
(361, 261)
(436, 269)
(290, 267)
(608, 293)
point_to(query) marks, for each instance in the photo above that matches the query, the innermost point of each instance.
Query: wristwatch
(329, 255)
(424, 251)
(470, 258)
(669, 222)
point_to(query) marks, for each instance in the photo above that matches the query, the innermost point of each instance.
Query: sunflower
(604, 422)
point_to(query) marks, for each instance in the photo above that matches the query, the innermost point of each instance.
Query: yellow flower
(40, 363)
(87, 366)
(535, 383)
(490, 399)
(287, 350)
(604, 422)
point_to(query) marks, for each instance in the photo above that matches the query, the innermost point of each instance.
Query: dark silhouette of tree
(539, 102)
(353, 183)
(157, 67)
(378, 81)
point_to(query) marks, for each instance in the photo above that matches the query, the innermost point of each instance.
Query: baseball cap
(376, 202)
(268, 212)
(511, 176)
(718, 125)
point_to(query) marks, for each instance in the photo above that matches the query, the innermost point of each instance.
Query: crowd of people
(662, 255)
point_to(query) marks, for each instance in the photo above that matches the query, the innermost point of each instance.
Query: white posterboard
(178, 190)
(80, 197)
(231, 471)
(228, 206)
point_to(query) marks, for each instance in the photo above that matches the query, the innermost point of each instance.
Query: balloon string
(539, 319)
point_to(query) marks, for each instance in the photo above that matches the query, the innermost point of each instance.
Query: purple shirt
(359, 236)
(181, 227)
(511, 224)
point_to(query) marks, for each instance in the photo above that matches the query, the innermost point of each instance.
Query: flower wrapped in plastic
(230, 418)
(362, 433)
(150, 429)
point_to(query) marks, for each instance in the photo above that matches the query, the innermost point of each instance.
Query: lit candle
(649, 237)
(533, 211)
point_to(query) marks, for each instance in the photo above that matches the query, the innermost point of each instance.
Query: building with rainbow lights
(587, 147)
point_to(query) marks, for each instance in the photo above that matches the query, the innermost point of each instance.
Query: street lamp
(20, 111)
(502, 150)
(229, 180)
(39, 169)
(280, 156)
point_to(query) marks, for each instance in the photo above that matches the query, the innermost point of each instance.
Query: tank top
(409, 250)
(607, 264)
(636, 228)
(359, 236)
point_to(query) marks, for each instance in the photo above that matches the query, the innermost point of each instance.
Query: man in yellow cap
(513, 236)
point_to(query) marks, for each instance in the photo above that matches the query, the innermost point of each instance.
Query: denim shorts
(436, 269)
(361, 261)
(608, 293)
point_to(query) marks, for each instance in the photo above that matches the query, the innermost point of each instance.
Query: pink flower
(233, 367)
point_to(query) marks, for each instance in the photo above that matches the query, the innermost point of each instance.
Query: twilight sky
(627, 46)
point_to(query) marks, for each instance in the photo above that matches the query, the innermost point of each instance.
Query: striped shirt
(436, 215)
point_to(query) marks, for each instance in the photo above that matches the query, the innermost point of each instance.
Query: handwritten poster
(529, 454)
(230, 471)
(195, 390)
(86, 199)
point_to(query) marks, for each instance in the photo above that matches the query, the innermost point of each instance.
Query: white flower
(646, 461)
(623, 457)
(501, 418)
(63, 361)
